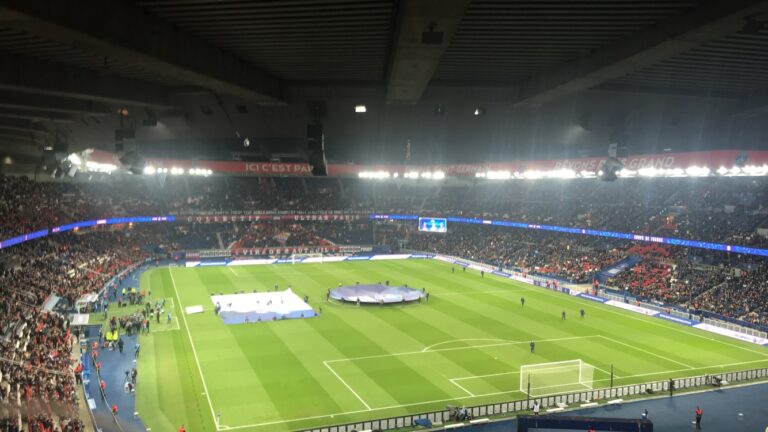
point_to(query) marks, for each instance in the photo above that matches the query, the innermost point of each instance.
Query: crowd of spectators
(670, 276)
(545, 253)
(264, 234)
(744, 297)
(36, 368)
(35, 372)
(711, 209)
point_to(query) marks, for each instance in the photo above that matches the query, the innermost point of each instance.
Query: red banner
(284, 250)
(271, 217)
(218, 167)
(710, 159)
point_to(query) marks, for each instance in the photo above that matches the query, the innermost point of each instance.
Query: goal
(557, 377)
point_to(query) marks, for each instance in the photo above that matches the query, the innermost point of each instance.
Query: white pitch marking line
(173, 328)
(592, 305)
(233, 271)
(603, 370)
(647, 351)
(610, 309)
(456, 349)
(518, 372)
(450, 294)
(467, 340)
(486, 376)
(347, 386)
(466, 397)
(461, 387)
(194, 351)
(504, 340)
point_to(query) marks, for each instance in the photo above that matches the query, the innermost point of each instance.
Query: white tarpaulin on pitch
(194, 310)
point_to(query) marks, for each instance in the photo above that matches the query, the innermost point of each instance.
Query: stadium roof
(61, 61)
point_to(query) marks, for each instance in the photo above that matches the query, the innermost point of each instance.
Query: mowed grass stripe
(288, 381)
(642, 359)
(295, 337)
(227, 367)
(173, 394)
(299, 280)
(350, 335)
(157, 363)
(462, 306)
(669, 333)
(195, 408)
(417, 323)
(387, 337)
(651, 347)
(487, 360)
(549, 328)
(397, 323)
(545, 323)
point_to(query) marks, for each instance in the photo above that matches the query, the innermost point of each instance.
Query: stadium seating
(69, 265)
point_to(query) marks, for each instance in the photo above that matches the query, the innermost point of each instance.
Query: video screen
(436, 225)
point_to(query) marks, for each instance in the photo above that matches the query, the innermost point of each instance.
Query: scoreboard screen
(436, 225)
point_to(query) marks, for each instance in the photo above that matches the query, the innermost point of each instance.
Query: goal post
(556, 377)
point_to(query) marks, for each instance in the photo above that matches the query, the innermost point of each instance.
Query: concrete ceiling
(68, 62)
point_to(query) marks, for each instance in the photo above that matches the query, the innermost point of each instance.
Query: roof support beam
(42, 77)
(29, 101)
(109, 28)
(713, 20)
(413, 60)
(38, 116)
(22, 126)
(17, 135)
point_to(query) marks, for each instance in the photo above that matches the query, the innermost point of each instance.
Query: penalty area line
(647, 351)
(644, 319)
(469, 340)
(347, 385)
(233, 271)
(499, 344)
(328, 416)
(461, 387)
(471, 293)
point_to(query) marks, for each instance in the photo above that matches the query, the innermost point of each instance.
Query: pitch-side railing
(596, 397)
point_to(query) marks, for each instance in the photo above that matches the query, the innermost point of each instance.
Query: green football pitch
(464, 347)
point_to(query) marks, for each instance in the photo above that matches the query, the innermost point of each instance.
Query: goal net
(557, 377)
